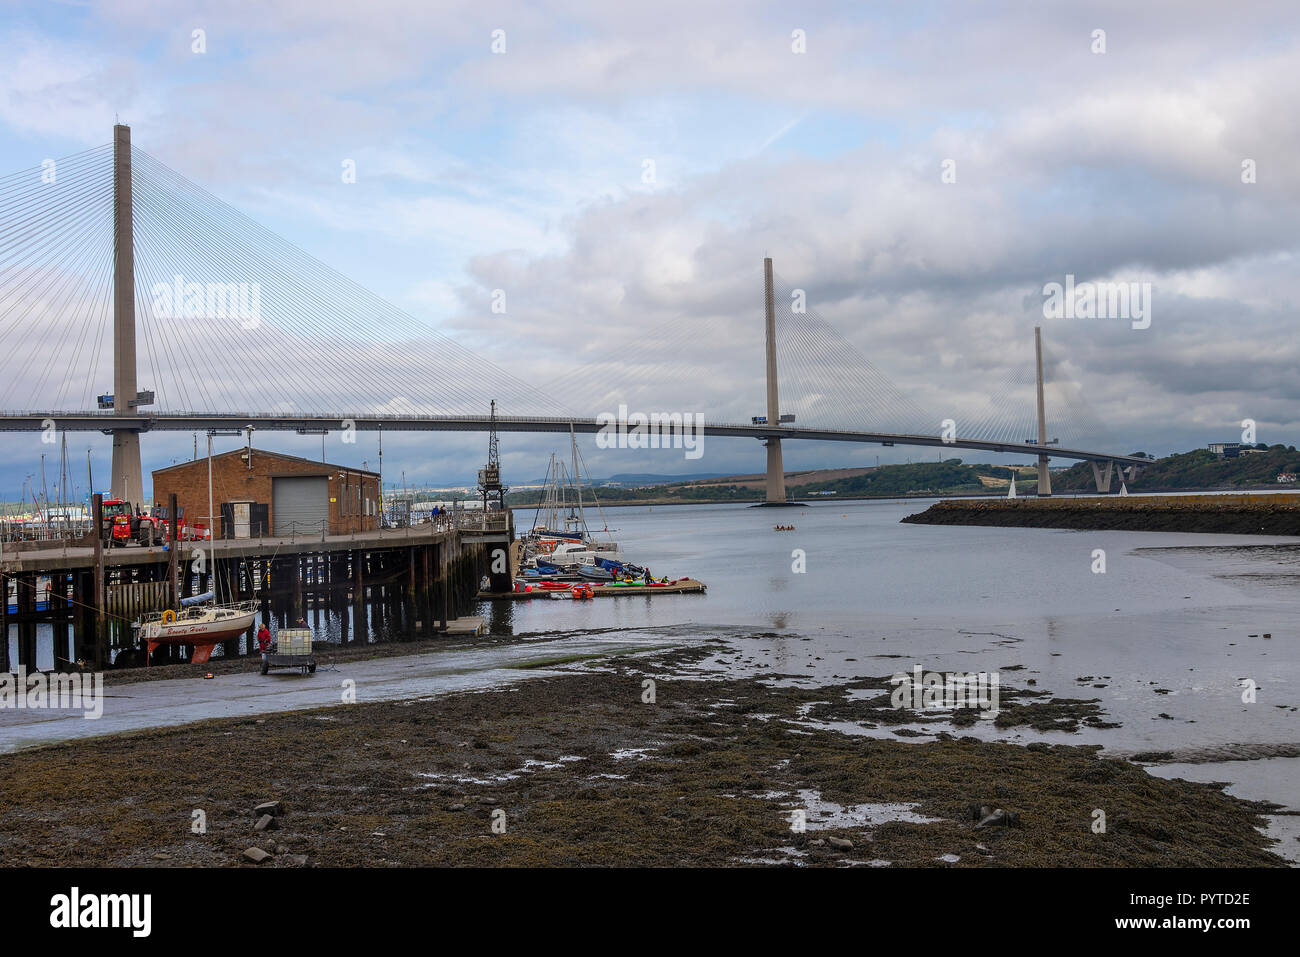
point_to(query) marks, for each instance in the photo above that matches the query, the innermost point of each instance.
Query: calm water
(1166, 630)
(1162, 638)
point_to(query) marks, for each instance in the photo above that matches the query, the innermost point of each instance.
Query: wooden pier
(414, 580)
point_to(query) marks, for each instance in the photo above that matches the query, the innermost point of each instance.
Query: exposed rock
(1000, 818)
(840, 843)
(256, 855)
(268, 807)
(265, 823)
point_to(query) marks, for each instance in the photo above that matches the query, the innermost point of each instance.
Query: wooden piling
(100, 637)
(4, 622)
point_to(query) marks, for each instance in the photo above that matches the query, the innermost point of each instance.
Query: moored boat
(201, 624)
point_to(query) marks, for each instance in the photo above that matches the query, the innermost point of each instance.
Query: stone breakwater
(1277, 514)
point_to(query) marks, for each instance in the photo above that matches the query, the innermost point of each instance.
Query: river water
(1165, 637)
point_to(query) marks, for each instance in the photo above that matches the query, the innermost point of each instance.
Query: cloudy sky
(618, 172)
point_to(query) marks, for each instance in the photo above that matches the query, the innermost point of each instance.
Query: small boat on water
(201, 623)
(595, 573)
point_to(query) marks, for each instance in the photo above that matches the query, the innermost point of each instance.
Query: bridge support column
(775, 492)
(1044, 476)
(127, 481)
(775, 474)
(1102, 478)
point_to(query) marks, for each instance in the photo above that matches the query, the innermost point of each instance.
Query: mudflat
(595, 767)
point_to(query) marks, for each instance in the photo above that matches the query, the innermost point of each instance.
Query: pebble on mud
(840, 843)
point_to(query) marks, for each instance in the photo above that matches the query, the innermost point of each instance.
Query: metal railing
(33, 530)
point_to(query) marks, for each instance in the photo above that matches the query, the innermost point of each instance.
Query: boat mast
(600, 511)
(211, 521)
(211, 524)
(577, 479)
(63, 482)
(45, 499)
(541, 499)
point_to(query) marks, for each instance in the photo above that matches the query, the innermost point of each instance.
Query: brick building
(271, 494)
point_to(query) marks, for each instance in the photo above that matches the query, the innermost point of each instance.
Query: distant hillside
(950, 477)
(643, 479)
(924, 478)
(1190, 471)
(1198, 470)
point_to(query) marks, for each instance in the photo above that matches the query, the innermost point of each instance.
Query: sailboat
(202, 622)
(560, 540)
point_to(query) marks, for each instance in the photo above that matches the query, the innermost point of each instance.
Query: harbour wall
(1263, 514)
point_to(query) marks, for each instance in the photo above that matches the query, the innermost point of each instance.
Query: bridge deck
(198, 422)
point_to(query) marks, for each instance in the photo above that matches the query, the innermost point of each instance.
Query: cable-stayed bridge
(110, 251)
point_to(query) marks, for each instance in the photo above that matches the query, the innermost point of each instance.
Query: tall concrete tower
(127, 478)
(775, 467)
(1044, 476)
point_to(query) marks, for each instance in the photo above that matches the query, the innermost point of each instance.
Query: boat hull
(202, 636)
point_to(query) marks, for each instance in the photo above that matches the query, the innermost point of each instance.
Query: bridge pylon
(127, 480)
(1044, 476)
(775, 489)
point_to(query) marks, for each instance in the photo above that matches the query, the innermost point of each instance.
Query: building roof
(267, 452)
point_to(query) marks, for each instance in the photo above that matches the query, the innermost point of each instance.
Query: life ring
(168, 616)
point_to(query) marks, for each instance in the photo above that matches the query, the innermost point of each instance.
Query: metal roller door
(300, 505)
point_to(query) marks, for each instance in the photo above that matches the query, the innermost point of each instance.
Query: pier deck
(61, 556)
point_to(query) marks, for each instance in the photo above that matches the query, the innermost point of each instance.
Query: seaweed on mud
(583, 772)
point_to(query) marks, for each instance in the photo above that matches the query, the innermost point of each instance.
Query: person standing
(264, 640)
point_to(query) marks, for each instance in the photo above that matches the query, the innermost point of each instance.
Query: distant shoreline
(994, 494)
(1244, 514)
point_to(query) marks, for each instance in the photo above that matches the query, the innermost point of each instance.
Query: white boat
(583, 553)
(200, 625)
